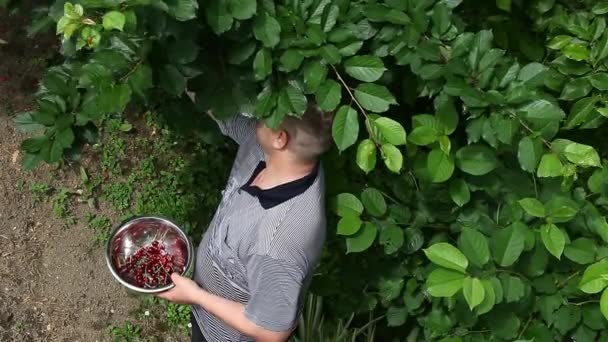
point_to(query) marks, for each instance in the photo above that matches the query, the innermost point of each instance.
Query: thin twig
(565, 281)
(132, 71)
(524, 125)
(583, 303)
(523, 331)
(361, 109)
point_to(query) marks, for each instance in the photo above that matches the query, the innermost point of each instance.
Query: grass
(127, 332)
(163, 174)
(40, 190)
(101, 227)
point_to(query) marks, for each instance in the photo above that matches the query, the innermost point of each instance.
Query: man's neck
(279, 171)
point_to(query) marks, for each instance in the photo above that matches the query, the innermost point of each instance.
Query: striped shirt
(262, 245)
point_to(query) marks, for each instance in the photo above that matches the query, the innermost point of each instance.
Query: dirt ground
(54, 283)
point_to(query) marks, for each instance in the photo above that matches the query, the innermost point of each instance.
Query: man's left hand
(186, 291)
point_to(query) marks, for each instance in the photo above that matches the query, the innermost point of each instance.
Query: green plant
(60, 203)
(128, 332)
(40, 190)
(178, 316)
(100, 225)
(468, 179)
(118, 194)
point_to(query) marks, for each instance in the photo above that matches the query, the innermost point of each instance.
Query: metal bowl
(139, 232)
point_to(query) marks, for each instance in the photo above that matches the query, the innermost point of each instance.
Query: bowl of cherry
(143, 252)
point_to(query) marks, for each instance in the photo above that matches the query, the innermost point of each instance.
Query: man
(257, 256)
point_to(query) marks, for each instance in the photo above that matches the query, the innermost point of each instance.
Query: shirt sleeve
(275, 286)
(237, 127)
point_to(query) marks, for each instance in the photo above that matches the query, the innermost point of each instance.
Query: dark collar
(274, 196)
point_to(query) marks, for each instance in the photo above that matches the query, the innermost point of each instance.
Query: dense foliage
(485, 221)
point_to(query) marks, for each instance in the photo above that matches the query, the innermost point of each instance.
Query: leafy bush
(468, 191)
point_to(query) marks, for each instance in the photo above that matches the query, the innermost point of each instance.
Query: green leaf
(345, 127)
(65, 137)
(267, 30)
(141, 80)
(473, 291)
(56, 152)
(113, 20)
(582, 251)
(558, 42)
(595, 277)
(531, 73)
(219, 17)
(489, 299)
(393, 159)
(604, 304)
(350, 49)
(459, 192)
(476, 159)
(348, 205)
(349, 225)
(490, 59)
(446, 113)
(362, 240)
(374, 97)
(599, 81)
(444, 283)
(172, 80)
(262, 64)
(576, 52)
(541, 112)
(315, 73)
(600, 8)
(533, 207)
(392, 238)
(390, 131)
(35, 144)
(504, 5)
(373, 201)
(396, 316)
(508, 243)
(182, 51)
(423, 135)
(475, 246)
(440, 166)
(553, 239)
(330, 17)
(293, 100)
(365, 68)
(390, 289)
(331, 54)
(561, 209)
(580, 112)
(329, 95)
(242, 9)
(25, 123)
(291, 60)
(529, 153)
(550, 166)
(576, 89)
(182, 10)
(445, 255)
(366, 155)
(582, 155)
(513, 288)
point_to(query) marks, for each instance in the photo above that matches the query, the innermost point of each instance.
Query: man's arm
(237, 127)
(232, 313)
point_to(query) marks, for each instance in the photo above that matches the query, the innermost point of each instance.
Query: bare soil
(54, 283)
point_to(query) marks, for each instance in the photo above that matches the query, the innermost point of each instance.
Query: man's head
(301, 139)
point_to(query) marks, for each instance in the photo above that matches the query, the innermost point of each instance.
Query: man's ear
(281, 139)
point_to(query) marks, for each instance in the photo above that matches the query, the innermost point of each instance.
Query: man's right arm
(237, 127)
